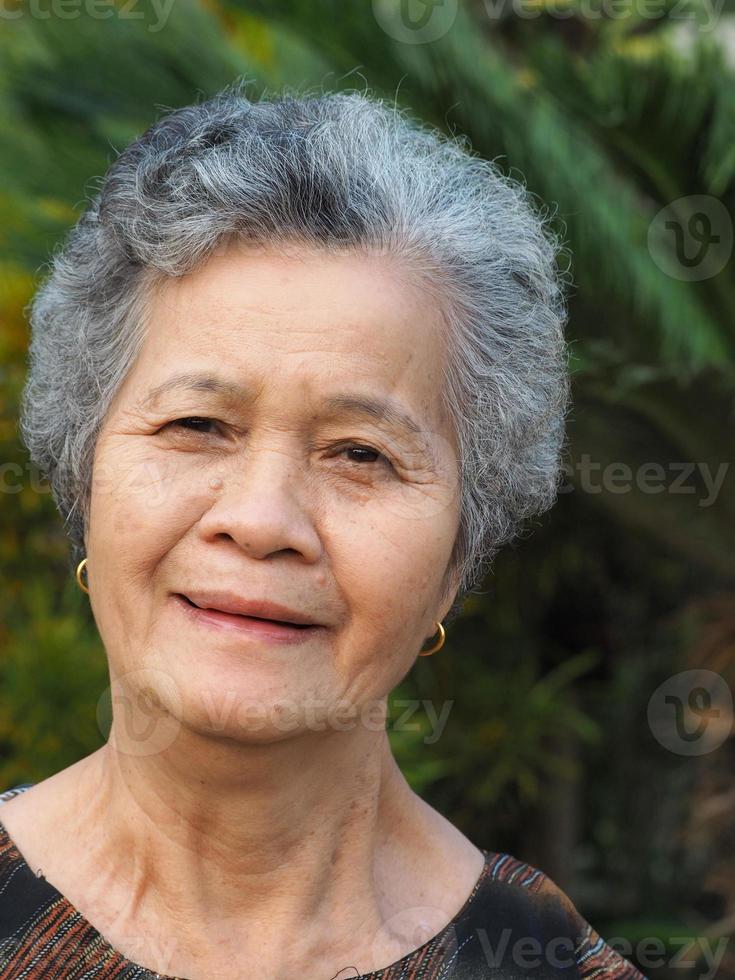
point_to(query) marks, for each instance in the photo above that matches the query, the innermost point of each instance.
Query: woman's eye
(362, 450)
(192, 423)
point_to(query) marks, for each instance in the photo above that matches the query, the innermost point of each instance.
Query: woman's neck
(241, 827)
(284, 856)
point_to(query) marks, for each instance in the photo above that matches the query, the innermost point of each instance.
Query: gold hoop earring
(80, 567)
(438, 645)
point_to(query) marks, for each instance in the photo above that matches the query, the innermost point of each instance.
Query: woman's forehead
(316, 320)
(347, 288)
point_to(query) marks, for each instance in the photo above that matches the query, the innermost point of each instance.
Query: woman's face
(296, 480)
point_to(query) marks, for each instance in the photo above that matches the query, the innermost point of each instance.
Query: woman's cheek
(141, 487)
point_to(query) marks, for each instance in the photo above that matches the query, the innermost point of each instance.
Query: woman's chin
(222, 689)
(248, 717)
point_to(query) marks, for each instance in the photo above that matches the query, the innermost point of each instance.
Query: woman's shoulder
(510, 870)
(539, 919)
(25, 895)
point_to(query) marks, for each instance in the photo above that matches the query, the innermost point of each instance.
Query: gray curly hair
(338, 171)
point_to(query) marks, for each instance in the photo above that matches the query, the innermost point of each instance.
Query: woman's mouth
(265, 629)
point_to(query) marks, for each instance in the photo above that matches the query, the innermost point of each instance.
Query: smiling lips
(266, 619)
(228, 602)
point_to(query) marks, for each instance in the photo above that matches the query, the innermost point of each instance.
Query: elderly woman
(297, 373)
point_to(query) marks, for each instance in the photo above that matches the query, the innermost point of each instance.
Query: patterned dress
(517, 923)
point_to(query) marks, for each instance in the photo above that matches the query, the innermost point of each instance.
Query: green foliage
(511, 714)
(54, 671)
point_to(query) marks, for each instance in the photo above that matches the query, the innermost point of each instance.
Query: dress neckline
(46, 889)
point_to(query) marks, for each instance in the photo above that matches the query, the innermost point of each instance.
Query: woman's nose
(264, 505)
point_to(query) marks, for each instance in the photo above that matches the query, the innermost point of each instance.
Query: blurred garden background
(620, 116)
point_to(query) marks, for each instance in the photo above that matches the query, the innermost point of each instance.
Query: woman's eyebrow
(380, 409)
(195, 382)
(384, 410)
